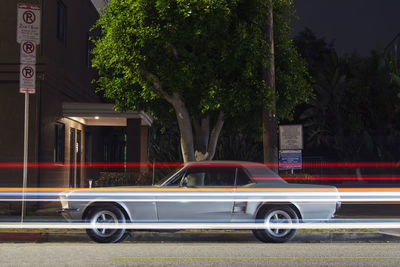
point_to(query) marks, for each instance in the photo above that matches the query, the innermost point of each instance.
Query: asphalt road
(203, 254)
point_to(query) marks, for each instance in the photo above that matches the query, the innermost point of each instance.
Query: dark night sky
(353, 24)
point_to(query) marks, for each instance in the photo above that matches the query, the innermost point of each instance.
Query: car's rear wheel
(106, 214)
(278, 214)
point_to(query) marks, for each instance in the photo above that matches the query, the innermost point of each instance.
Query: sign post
(25, 171)
(28, 35)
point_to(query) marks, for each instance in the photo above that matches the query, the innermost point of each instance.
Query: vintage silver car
(219, 192)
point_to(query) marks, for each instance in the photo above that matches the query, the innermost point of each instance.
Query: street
(200, 254)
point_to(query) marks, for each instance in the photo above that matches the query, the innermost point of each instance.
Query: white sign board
(28, 23)
(27, 78)
(290, 137)
(28, 53)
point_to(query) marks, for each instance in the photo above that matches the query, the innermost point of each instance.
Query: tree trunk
(270, 140)
(212, 145)
(202, 131)
(182, 116)
(206, 142)
(185, 127)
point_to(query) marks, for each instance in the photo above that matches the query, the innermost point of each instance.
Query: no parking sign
(28, 23)
(27, 78)
(28, 53)
(28, 35)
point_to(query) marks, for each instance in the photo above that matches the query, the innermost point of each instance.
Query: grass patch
(42, 230)
(301, 231)
(328, 231)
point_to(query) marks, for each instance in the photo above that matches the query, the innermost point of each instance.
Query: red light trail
(178, 164)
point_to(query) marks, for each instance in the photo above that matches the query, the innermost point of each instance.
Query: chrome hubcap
(278, 216)
(102, 217)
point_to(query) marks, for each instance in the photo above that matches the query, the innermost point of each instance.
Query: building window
(59, 144)
(61, 22)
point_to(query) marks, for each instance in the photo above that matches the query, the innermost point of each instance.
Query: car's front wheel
(278, 214)
(105, 214)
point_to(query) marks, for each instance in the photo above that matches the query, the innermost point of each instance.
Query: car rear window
(262, 174)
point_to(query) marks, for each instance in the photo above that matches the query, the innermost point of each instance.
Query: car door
(242, 208)
(204, 194)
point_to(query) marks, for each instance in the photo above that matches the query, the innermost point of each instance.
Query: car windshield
(167, 177)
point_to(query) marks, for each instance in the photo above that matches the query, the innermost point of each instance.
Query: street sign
(290, 159)
(290, 137)
(28, 53)
(28, 35)
(27, 78)
(28, 23)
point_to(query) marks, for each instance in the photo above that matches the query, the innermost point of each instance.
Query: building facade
(68, 123)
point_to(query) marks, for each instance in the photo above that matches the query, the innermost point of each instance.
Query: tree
(198, 59)
(373, 105)
(324, 117)
(314, 50)
(354, 115)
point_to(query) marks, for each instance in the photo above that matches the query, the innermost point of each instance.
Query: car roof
(258, 171)
(224, 163)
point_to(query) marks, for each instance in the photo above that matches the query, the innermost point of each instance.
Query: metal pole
(25, 170)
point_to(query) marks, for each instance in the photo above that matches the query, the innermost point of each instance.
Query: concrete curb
(24, 237)
(215, 237)
(249, 238)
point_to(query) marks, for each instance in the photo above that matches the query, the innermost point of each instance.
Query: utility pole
(270, 139)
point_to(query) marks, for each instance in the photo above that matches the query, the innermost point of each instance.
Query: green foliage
(207, 51)
(210, 52)
(114, 179)
(372, 96)
(323, 119)
(107, 179)
(354, 115)
(164, 143)
(239, 148)
(293, 82)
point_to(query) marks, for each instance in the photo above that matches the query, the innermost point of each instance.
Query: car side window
(242, 178)
(210, 177)
(195, 178)
(220, 177)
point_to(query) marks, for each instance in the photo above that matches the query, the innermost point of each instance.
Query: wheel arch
(266, 205)
(118, 205)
